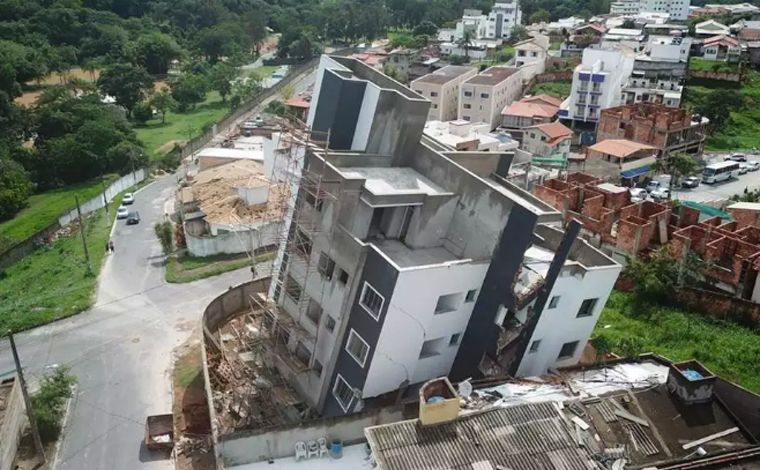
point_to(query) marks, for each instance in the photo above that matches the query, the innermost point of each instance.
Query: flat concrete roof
(444, 75)
(241, 154)
(492, 76)
(383, 181)
(353, 458)
(754, 206)
(611, 188)
(405, 257)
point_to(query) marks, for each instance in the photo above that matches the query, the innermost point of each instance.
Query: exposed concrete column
(637, 240)
(663, 229)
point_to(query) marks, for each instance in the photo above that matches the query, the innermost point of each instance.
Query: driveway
(120, 350)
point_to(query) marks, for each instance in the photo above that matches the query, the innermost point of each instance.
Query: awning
(635, 172)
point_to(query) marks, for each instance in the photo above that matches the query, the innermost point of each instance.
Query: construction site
(259, 353)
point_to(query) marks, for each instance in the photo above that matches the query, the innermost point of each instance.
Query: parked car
(133, 218)
(653, 185)
(128, 199)
(737, 157)
(743, 168)
(638, 194)
(660, 194)
(690, 182)
(753, 165)
(122, 212)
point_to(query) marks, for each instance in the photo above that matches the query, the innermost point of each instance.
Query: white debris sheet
(590, 383)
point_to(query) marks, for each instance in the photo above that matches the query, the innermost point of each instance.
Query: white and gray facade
(420, 252)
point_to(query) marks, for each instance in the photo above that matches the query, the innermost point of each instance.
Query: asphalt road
(723, 190)
(121, 349)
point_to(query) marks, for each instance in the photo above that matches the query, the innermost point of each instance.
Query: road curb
(61, 437)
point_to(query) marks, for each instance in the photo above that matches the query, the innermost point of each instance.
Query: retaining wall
(231, 243)
(12, 422)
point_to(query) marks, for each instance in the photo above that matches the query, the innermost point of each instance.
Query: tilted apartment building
(428, 262)
(442, 89)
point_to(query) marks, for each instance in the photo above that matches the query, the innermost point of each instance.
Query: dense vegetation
(49, 403)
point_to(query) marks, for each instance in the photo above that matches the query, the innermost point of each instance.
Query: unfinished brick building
(620, 228)
(670, 130)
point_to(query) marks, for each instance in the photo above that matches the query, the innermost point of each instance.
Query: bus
(720, 172)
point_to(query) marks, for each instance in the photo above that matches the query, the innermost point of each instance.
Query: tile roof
(523, 109)
(555, 131)
(298, 102)
(545, 98)
(722, 40)
(525, 437)
(620, 148)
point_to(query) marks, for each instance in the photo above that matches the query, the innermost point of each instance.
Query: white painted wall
(240, 241)
(366, 117)
(253, 195)
(559, 325)
(411, 320)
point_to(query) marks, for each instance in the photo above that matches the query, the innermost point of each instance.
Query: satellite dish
(465, 388)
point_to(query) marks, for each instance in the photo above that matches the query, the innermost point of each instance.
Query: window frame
(347, 406)
(560, 357)
(329, 328)
(532, 349)
(589, 311)
(467, 299)
(329, 269)
(366, 307)
(552, 303)
(353, 333)
(458, 337)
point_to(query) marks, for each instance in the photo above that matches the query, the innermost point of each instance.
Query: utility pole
(27, 401)
(105, 199)
(84, 237)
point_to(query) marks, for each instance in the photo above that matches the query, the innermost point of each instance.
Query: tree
(222, 40)
(142, 112)
(676, 165)
(518, 34)
(427, 28)
(163, 102)
(465, 42)
(127, 156)
(276, 107)
(128, 84)
(15, 188)
(189, 89)
(221, 77)
(163, 232)
(256, 27)
(306, 47)
(540, 16)
(244, 89)
(156, 51)
(395, 73)
(49, 403)
(717, 106)
(287, 91)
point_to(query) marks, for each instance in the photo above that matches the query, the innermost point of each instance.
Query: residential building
(532, 51)
(470, 136)
(415, 245)
(442, 89)
(710, 28)
(624, 37)
(589, 35)
(722, 49)
(746, 30)
(547, 143)
(666, 29)
(669, 130)
(483, 96)
(401, 59)
(477, 50)
(502, 424)
(529, 111)
(597, 84)
(497, 24)
(633, 158)
(737, 9)
(213, 156)
(567, 24)
(659, 72)
(299, 105)
(676, 9)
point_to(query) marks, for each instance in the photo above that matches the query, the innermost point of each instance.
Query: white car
(660, 194)
(122, 212)
(743, 168)
(128, 199)
(638, 194)
(753, 165)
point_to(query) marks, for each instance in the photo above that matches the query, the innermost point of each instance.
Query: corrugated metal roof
(526, 437)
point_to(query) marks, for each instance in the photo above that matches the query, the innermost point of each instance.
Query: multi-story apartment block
(677, 9)
(427, 262)
(667, 129)
(659, 72)
(597, 84)
(442, 89)
(498, 24)
(482, 97)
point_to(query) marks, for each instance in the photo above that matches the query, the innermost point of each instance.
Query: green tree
(244, 89)
(164, 234)
(306, 47)
(49, 403)
(222, 40)
(465, 42)
(142, 113)
(540, 16)
(15, 188)
(518, 34)
(221, 77)
(127, 156)
(189, 89)
(128, 84)
(276, 107)
(395, 73)
(677, 166)
(427, 28)
(156, 51)
(256, 28)
(163, 102)
(717, 106)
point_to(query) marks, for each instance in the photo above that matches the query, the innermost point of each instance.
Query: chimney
(691, 382)
(439, 402)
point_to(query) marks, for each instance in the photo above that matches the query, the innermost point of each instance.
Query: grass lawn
(52, 282)
(559, 90)
(159, 137)
(729, 350)
(262, 72)
(189, 268)
(697, 63)
(743, 132)
(45, 207)
(555, 45)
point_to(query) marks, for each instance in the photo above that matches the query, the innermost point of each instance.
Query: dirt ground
(26, 456)
(191, 418)
(170, 145)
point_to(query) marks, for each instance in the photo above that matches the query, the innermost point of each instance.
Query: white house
(710, 28)
(497, 24)
(677, 9)
(722, 49)
(532, 51)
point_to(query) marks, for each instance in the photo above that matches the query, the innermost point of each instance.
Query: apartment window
(314, 311)
(534, 346)
(372, 301)
(431, 348)
(342, 276)
(314, 202)
(467, 106)
(455, 339)
(330, 324)
(302, 242)
(568, 350)
(447, 303)
(543, 138)
(470, 297)
(466, 118)
(467, 94)
(484, 95)
(293, 289)
(326, 266)
(357, 348)
(532, 135)
(317, 368)
(434, 93)
(303, 354)
(587, 308)
(435, 106)
(343, 393)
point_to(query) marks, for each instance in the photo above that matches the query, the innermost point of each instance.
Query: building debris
(630, 417)
(709, 438)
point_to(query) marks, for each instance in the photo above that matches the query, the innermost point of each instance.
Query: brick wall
(746, 217)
